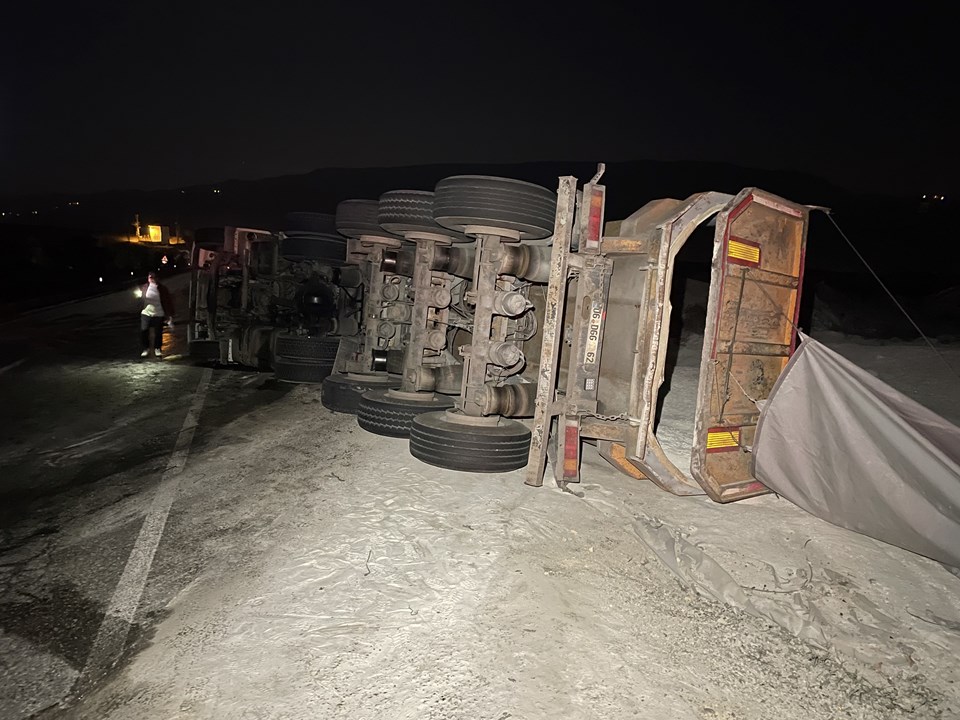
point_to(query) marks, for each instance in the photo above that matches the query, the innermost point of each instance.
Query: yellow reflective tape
(744, 247)
(723, 438)
(743, 251)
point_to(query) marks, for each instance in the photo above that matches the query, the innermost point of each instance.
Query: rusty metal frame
(429, 315)
(356, 353)
(487, 326)
(545, 402)
(659, 230)
(668, 235)
(725, 473)
(583, 375)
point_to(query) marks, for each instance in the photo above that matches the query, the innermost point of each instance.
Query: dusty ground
(308, 569)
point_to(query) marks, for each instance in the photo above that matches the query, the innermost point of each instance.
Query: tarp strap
(953, 371)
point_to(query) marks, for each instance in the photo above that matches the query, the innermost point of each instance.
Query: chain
(607, 418)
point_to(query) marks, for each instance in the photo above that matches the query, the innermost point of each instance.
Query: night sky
(165, 94)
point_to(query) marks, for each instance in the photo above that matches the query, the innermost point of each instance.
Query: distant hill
(264, 202)
(883, 227)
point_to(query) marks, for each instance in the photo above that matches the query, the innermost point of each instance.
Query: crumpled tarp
(850, 449)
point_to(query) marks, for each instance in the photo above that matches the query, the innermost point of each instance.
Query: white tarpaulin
(850, 449)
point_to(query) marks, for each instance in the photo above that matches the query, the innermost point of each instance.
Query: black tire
(322, 248)
(515, 205)
(395, 358)
(310, 222)
(298, 371)
(359, 217)
(404, 211)
(500, 448)
(208, 238)
(382, 414)
(205, 349)
(306, 347)
(342, 393)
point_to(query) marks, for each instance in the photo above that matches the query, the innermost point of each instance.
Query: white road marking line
(112, 635)
(12, 365)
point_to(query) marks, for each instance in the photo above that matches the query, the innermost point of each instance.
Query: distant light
(138, 293)
(131, 273)
(34, 212)
(101, 279)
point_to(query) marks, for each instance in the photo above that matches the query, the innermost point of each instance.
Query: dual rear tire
(304, 358)
(437, 439)
(342, 392)
(390, 412)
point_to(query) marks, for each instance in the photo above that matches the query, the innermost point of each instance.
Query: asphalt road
(91, 429)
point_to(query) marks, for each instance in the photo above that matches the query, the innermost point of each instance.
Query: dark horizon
(455, 165)
(877, 224)
(265, 200)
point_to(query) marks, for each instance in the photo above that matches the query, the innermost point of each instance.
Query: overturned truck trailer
(605, 331)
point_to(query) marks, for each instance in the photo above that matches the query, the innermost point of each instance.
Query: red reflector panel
(571, 449)
(595, 221)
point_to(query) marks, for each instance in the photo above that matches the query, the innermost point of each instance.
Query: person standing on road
(157, 307)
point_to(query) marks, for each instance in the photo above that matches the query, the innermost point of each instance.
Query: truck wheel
(497, 202)
(437, 440)
(359, 217)
(298, 371)
(385, 412)
(403, 211)
(306, 347)
(342, 391)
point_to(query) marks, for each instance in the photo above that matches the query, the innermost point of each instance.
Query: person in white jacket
(157, 308)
